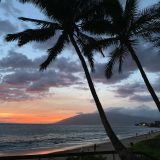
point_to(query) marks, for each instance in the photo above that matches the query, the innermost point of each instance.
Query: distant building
(157, 123)
(142, 124)
(153, 124)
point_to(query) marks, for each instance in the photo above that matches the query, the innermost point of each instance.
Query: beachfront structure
(145, 124)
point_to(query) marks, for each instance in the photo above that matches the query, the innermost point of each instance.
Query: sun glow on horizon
(24, 118)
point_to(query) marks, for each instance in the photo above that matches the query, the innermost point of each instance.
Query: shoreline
(102, 146)
(107, 146)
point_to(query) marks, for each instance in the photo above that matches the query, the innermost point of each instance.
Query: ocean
(20, 137)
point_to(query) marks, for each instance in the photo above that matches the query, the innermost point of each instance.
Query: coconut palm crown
(63, 18)
(123, 30)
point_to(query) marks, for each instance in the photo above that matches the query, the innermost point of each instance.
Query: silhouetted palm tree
(65, 18)
(125, 28)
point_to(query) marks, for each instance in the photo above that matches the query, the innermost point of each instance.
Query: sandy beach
(99, 147)
(127, 141)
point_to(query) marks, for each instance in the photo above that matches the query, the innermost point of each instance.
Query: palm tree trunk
(119, 147)
(150, 89)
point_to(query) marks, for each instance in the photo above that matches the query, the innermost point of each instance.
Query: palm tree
(65, 19)
(125, 28)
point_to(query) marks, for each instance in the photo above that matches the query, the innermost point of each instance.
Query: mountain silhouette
(113, 117)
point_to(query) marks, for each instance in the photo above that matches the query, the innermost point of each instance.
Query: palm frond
(117, 55)
(144, 18)
(113, 9)
(41, 23)
(54, 51)
(130, 12)
(140, 21)
(105, 43)
(86, 42)
(88, 10)
(62, 11)
(29, 35)
(102, 27)
(154, 10)
(90, 58)
(149, 30)
(155, 40)
(98, 45)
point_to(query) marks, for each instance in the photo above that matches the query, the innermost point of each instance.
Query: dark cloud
(142, 110)
(67, 66)
(21, 76)
(16, 60)
(52, 78)
(149, 57)
(99, 75)
(135, 91)
(7, 27)
(63, 72)
(141, 98)
(44, 46)
(14, 93)
(128, 90)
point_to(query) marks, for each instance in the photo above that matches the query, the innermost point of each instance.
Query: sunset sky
(30, 96)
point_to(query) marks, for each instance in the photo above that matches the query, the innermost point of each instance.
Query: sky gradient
(30, 96)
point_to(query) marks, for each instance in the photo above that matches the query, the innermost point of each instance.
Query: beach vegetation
(150, 147)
